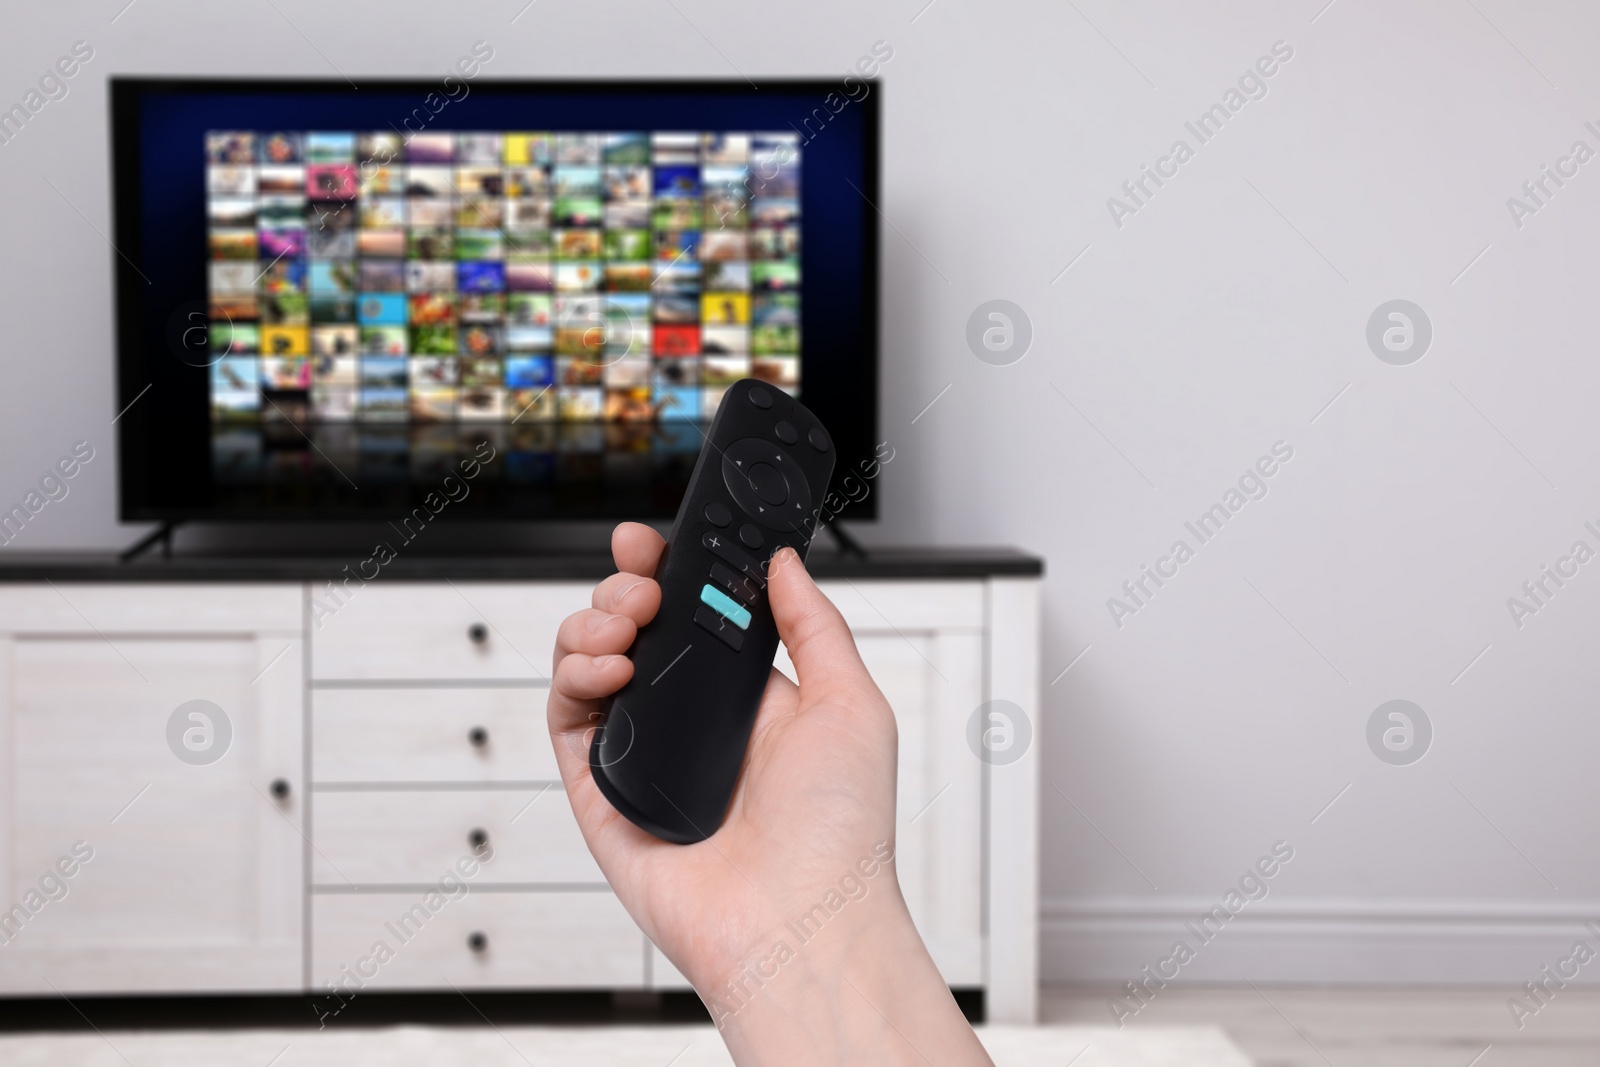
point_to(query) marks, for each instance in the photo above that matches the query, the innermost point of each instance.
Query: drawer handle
(478, 838)
(478, 633)
(279, 787)
(478, 736)
(477, 941)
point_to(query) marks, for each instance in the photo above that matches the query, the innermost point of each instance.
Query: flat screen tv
(330, 298)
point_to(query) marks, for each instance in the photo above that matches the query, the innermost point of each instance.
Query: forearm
(870, 995)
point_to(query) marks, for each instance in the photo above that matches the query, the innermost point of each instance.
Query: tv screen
(329, 298)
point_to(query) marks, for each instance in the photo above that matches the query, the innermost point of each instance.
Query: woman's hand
(789, 919)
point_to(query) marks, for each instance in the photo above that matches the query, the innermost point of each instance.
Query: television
(331, 298)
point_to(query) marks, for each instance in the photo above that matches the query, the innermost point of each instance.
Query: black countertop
(905, 563)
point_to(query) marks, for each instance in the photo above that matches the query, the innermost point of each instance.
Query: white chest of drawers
(389, 780)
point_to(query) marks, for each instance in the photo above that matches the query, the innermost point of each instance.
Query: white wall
(1219, 319)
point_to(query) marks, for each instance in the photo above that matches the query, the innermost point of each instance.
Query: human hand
(794, 899)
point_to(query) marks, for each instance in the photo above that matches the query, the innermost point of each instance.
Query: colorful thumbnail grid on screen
(499, 276)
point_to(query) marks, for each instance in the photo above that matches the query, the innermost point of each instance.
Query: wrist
(808, 933)
(862, 989)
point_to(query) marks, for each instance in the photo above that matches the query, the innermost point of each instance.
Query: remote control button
(818, 439)
(760, 397)
(743, 588)
(725, 605)
(726, 633)
(785, 432)
(756, 490)
(750, 536)
(718, 515)
(769, 484)
(723, 548)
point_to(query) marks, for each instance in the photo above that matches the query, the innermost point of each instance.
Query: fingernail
(597, 621)
(602, 662)
(629, 588)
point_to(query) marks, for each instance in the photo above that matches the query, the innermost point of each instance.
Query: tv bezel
(136, 464)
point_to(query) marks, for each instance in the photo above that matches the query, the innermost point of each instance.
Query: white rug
(543, 1046)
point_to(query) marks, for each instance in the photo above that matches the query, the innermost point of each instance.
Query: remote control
(669, 748)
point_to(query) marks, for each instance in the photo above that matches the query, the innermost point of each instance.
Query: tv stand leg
(848, 546)
(162, 533)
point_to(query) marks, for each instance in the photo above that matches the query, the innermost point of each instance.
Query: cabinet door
(923, 644)
(196, 880)
(934, 683)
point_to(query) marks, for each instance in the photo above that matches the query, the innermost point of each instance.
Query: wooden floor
(1367, 1027)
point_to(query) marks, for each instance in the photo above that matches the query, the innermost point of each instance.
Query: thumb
(813, 630)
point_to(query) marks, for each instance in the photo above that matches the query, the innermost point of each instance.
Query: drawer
(664, 974)
(559, 940)
(431, 735)
(411, 837)
(449, 631)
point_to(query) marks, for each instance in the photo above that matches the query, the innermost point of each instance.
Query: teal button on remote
(725, 605)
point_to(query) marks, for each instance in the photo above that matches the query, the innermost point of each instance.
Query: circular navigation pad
(766, 484)
(769, 483)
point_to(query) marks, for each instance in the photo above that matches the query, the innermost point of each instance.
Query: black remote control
(669, 749)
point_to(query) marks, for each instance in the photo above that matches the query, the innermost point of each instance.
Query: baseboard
(291, 1011)
(1111, 939)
